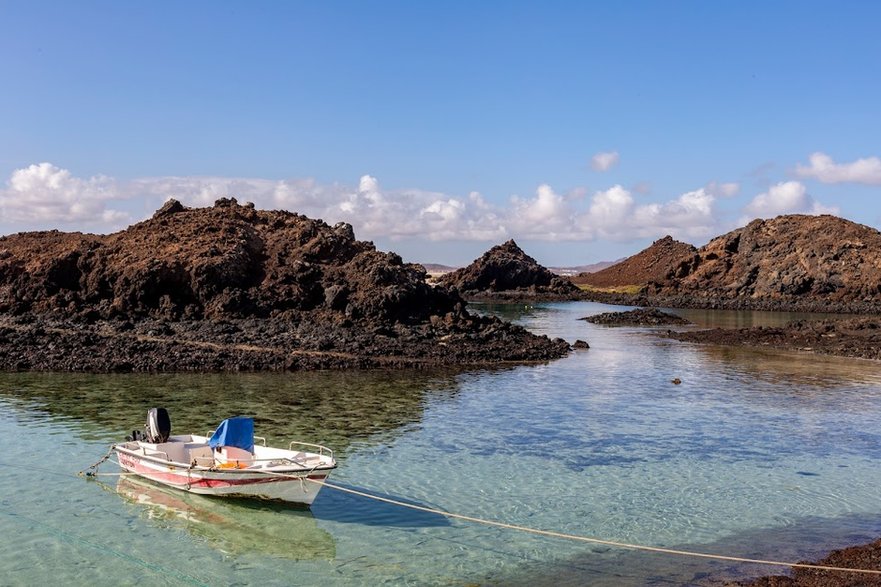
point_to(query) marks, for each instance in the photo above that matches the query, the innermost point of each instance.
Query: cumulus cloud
(604, 161)
(372, 210)
(823, 168)
(789, 197)
(690, 215)
(292, 194)
(547, 216)
(610, 210)
(615, 214)
(45, 193)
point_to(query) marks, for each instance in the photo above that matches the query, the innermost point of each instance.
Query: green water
(760, 454)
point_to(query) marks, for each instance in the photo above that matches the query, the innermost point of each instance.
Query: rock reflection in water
(790, 370)
(232, 526)
(704, 318)
(332, 408)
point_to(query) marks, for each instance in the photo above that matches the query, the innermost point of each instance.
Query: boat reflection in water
(270, 528)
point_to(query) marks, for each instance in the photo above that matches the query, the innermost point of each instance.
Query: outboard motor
(158, 427)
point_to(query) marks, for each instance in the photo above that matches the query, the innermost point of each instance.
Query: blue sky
(583, 130)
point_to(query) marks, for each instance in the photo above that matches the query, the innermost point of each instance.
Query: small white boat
(225, 463)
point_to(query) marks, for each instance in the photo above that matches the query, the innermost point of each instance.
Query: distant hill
(592, 268)
(651, 264)
(437, 268)
(795, 258)
(506, 272)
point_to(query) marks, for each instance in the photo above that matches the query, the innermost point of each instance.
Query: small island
(638, 317)
(845, 337)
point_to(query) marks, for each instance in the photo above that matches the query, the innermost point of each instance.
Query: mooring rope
(562, 535)
(92, 470)
(588, 539)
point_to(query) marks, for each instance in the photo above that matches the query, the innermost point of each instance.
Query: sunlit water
(757, 454)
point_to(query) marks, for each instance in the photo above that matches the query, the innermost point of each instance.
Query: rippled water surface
(757, 454)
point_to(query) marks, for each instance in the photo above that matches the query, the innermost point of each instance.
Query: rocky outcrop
(261, 289)
(845, 337)
(228, 261)
(505, 272)
(824, 262)
(651, 264)
(866, 556)
(638, 317)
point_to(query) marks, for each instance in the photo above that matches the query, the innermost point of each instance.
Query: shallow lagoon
(758, 454)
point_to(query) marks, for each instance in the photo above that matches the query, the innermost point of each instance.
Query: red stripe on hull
(194, 479)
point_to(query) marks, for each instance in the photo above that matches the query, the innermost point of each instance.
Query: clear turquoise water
(759, 454)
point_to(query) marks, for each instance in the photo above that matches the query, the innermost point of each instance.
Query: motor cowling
(158, 427)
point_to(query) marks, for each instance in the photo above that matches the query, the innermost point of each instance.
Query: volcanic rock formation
(231, 287)
(818, 262)
(844, 337)
(506, 272)
(638, 317)
(651, 264)
(865, 556)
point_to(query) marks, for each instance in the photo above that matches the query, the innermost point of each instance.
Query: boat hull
(285, 484)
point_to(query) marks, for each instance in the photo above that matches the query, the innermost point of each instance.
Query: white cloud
(451, 209)
(46, 196)
(292, 194)
(782, 198)
(690, 215)
(546, 216)
(823, 168)
(372, 210)
(604, 161)
(610, 209)
(789, 197)
(614, 214)
(45, 193)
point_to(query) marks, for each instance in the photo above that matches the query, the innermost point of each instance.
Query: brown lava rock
(867, 557)
(505, 272)
(789, 263)
(848, 337)
(796, 261)
(638, 317)
(230, 287)
(651, 264)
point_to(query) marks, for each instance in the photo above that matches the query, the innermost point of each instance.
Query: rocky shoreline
(846, 337)
(30, 343)
(521, 295)
(866, 556)
(813, 306)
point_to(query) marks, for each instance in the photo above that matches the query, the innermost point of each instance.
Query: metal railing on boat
(321, 449)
